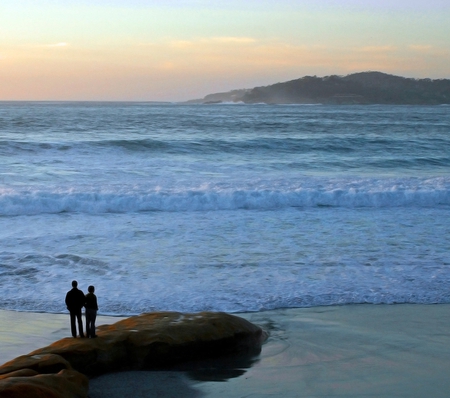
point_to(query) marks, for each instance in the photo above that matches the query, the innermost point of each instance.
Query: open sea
(223, 207)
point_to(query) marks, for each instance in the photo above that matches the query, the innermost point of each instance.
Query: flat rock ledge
(158, 340)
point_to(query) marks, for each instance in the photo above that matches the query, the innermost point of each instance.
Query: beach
(331, 351)
(326, 225)
(23, 332)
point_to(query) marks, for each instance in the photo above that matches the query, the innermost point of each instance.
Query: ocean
(224, 207)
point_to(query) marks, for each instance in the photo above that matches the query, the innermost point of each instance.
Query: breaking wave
(351, 194)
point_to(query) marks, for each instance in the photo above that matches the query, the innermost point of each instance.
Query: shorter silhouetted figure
(75, 301)
(91, 312)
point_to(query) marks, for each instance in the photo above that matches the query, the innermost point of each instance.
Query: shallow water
(340, 351)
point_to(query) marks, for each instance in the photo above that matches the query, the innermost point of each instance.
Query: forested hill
(357, 88)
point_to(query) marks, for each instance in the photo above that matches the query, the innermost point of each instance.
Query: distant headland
(359, 88)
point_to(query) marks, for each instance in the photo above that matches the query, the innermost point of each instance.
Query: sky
(148, 50)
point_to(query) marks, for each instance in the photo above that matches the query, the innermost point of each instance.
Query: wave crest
(370, 194)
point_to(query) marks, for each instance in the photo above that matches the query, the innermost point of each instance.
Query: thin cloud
(235, 40)
(55, 45)
(420, 48)
(232, 40)
(378, 49)
(429, 51)
(182, 44)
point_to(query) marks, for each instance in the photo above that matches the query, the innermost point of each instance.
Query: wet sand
(344, 351)
(23, 332)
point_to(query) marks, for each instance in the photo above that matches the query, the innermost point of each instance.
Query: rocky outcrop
(148, 341)
(49, 376)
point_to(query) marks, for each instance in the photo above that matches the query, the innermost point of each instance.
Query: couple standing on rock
(75, 301)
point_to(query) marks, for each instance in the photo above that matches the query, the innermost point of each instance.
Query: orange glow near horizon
(173, 64)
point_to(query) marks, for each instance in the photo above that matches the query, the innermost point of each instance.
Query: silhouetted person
(91, 312)
(75, 300)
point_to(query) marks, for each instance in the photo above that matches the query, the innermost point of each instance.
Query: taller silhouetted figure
(75, 300)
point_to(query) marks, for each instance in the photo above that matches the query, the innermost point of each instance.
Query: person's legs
(80, 323)
(93, 317)
(88, 323)
(73, 328)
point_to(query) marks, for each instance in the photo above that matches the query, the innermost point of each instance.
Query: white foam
(308, 193)
(230, 261)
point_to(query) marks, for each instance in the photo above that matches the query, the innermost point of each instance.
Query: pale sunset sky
(148, 50)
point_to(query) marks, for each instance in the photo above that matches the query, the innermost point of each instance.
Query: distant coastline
(365, 88)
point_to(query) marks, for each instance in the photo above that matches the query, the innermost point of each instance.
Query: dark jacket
(91, 301)
(75, 299)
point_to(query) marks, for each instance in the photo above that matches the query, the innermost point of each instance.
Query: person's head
(91, 289)
(74, 283)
